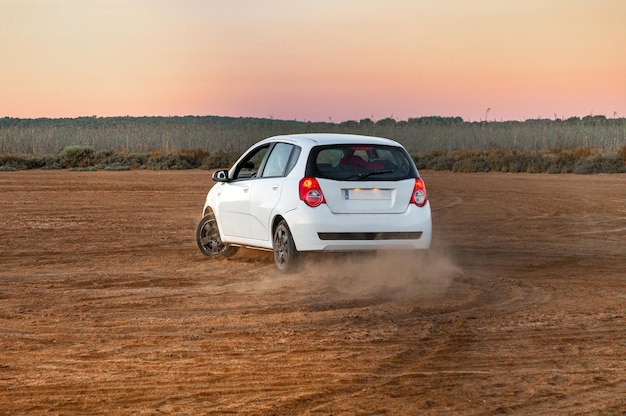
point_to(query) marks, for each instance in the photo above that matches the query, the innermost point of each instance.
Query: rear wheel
(286, 256)
(209, 239)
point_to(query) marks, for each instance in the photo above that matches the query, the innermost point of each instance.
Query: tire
(209, 240)
(286, 257)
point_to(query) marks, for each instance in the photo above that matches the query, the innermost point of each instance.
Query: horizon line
(330, 120)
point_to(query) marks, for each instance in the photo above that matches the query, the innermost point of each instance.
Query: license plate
(366, 194)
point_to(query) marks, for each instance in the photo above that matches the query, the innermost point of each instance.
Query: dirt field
(108, 307)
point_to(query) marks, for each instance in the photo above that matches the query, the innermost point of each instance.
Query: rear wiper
(364, 175)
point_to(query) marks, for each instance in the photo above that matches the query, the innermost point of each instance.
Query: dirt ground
(108, 307)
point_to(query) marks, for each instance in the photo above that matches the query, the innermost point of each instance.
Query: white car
(301, 193)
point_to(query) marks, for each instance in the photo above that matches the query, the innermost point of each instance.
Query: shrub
(52, 162)
(219, 159)
(554, 161)
(515, 167)
(77, 157)
(500, 161)
(610, 163)
(119, 161)
(622, 154)
(21, 162)
(187, 159)
(436, 160)
(423, 160)
(116, 166)
(584, 167)
(536, 164)
(157, 161)
(178, 160)
(442, 163)
(471, 164)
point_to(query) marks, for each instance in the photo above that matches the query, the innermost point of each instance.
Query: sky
(313, 60)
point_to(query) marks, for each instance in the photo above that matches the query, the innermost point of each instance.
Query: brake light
(419, 193)
(310, 192)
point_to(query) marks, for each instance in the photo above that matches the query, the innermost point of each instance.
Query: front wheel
(209, 240)
(286, 257)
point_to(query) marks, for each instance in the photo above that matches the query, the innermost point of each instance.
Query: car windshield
(360, 162)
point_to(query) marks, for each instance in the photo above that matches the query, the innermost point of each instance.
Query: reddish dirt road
(108, 307)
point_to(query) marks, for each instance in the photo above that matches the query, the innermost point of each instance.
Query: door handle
(275, 187)
(245, 188)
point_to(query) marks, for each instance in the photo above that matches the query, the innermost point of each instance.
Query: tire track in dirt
(109, 307)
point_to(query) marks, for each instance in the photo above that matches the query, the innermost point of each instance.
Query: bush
(622, 153)
(610, 163)
(116, 166)
(471, 164)
(156, 161)
(52, 162)
(584, 167)
(77, 157)
(119, 161)
(219, 159)
(178, 160)
(554, 161)
(502, 161)
(21, 162)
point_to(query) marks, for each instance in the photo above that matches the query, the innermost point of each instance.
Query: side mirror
(220, 175)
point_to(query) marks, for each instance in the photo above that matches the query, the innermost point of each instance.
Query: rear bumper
(317, 229)
(370, 236)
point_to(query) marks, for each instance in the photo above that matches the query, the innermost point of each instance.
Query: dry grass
(593, 144)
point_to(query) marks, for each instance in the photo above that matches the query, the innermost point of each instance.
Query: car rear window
(355, 161)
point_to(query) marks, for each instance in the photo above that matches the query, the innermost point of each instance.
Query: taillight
(310, 192)
(419, 193)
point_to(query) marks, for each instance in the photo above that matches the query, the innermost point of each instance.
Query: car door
(266, 190)
(234, 197)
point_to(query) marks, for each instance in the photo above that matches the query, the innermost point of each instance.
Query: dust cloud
(387, 274)
(390, 274)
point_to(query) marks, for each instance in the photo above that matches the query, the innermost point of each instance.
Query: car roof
(333, 138)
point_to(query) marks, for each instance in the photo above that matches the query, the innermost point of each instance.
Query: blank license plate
(366, 194)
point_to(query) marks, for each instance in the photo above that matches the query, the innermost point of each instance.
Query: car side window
(278, 161)
(250, 165)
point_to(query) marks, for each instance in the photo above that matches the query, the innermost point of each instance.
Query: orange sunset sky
(313, 60)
